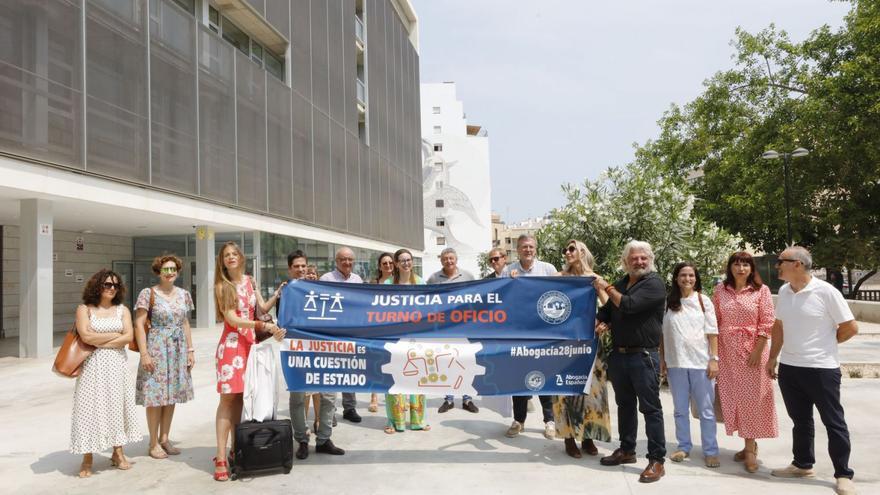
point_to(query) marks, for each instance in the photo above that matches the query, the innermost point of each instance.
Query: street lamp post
(786, 158)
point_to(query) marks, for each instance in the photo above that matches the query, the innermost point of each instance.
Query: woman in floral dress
(585, 417)
(167, 354)
(236, 302)
(396, 404)
(745, 315)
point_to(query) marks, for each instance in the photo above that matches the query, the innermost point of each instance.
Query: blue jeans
(464, 398)
(686, 384)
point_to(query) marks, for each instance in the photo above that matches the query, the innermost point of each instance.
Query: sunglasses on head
(111, 285)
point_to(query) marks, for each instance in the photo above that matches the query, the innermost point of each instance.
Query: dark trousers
(636, 379)
(802, 388)
(521, 407)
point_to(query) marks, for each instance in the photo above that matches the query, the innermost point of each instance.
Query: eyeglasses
(168, 270)
(404, 261)
(571, 249)
(111, 285)
(783, 260)
(494, 259)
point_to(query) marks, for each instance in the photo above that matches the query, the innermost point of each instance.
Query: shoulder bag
(72, 354)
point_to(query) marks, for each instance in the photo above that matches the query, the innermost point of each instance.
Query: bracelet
(608, 289)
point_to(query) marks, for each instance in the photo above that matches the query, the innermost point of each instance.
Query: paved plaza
(463, 452)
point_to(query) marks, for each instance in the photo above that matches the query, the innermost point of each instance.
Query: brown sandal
(750, 459)
(741, 455)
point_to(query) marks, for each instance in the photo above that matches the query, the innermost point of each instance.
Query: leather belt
(634, 350)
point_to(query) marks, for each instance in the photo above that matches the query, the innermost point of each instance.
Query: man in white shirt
(529, 266)
(343, 273)
(812, 318)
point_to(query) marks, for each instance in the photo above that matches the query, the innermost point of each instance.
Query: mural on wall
(436, 185)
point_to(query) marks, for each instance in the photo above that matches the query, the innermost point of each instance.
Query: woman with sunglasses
(395, 404)
(236, 300)
(584, 418)
(745, 315)
(167, 354)
(384, 271)
(103, 403)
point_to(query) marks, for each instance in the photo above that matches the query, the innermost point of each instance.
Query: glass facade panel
(303, 178)
(278, 137)
(116, 76)
(336, 62)
(41, 80)
(250, 93)
(320, 82)
(217, 175)
(339, 205)
(301, 47)
(174, 159)
(352, 183)
(321, 158)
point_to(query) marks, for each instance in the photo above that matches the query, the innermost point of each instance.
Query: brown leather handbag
(133, 345)
(71, 355)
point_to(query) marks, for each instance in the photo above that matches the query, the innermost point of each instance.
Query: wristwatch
(714, 358)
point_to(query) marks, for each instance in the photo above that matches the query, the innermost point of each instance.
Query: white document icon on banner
(440, 366)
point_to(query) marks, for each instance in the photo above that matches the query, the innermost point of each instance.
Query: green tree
(822, 94)
(635, 202)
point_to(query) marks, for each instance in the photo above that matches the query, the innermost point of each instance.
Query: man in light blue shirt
(529, 266)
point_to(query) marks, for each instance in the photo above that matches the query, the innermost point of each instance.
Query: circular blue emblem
(535, 380)
(554, 307)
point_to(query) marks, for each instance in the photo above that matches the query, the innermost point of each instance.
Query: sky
(566, 87)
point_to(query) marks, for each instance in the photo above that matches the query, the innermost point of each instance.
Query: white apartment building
(455, 172)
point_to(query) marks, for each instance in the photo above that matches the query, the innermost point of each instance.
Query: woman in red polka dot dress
(745, 315)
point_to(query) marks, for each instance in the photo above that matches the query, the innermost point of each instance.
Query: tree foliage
(634, 202)
(822, 94)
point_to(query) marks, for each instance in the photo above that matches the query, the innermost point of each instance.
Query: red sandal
(220, 476)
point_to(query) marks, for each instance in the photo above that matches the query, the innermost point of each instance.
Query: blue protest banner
(489, 337)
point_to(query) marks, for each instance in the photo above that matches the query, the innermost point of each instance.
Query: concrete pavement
(463, 450)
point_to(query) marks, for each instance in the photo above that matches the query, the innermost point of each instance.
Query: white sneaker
(549, 430)
(515, 428)
(792, 471)
(845, 486)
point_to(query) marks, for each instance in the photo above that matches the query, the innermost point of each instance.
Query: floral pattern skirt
(395, 411)
(171, 381)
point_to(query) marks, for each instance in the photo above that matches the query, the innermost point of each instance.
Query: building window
(441, 222)
(438, 146)
(274, 65)
(436, 110)
(439, 184)
(441, 241)
(507, 240)
(438, 129)
(236, 36)
(438, 166)
(213, 19)
(257, 53)
(438, 203)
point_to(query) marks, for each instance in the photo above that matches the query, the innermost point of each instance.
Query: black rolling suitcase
(262, 446)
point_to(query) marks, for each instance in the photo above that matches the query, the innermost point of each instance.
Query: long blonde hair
(225, 293)
(413, 278)
(583, 265)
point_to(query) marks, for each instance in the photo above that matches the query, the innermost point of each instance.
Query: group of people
(729, 345)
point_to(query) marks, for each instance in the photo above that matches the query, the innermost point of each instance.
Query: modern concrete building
(455, 171)
(130, 128)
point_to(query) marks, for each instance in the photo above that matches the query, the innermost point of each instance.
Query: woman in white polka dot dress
(103, 403)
